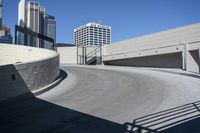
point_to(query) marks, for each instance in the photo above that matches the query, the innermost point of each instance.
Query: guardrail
(177, 47)
(84, 57)
(149, 49)
(31, 33)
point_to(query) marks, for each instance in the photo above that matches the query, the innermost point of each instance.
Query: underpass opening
(172, 60)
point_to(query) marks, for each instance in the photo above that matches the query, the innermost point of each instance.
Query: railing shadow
(168, 121)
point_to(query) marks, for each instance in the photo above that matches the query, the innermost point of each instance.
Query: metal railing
(88, 58)
(31, 33)
(142, 50)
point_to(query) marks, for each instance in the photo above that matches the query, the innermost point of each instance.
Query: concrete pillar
(199, 54)
(184, 57)
(101, 54)
(77, 62)
(191, 60)
(199, 59)
(85, 55)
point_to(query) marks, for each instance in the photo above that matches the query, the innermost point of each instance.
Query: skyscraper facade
(5, 35)
(50, 29)
(1, 13)
(31, 15)
(92, 34)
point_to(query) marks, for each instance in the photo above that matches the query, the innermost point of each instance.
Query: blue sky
(128, 18)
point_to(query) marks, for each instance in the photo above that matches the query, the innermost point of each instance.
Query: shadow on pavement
(34, 115)
(29, 114)
(63, 74)
(182, 119)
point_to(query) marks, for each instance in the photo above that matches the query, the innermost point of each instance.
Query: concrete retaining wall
(80, 55)
(143, 50)
(68, 55)
(156, 42)
(25, 69)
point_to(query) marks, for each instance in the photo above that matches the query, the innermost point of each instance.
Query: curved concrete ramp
(103, 99)
(122, 93)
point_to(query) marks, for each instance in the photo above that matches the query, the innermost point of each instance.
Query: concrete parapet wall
(169, 40)
(68, 54)
(142, 51)
(14, 54)
(17, 78)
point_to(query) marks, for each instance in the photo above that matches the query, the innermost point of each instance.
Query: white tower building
(92, 34)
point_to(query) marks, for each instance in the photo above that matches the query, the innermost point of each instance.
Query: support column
(199, 59)
(184, 57)
(83, 53)
(77, 54)
(85, 56)
(101, 54)
(199, 55)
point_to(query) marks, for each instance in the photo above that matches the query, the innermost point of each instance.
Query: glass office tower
(31, 15)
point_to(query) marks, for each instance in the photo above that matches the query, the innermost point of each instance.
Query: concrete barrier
(24, 69)
(174, 48)
(68, 55)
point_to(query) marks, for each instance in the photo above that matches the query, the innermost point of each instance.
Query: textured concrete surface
(101, 99)
(39, 74)
(116, 93)
(36, 68)
(11, 83)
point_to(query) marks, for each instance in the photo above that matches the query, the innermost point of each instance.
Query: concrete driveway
(102, 99)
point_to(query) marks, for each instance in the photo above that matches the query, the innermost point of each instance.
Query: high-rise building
(31, 15)
(5, 31)
(6, 39)
(50, 30)
(92, 34)
(1, 13)
(5, 35)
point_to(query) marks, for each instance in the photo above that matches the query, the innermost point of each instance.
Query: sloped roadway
(102, 98)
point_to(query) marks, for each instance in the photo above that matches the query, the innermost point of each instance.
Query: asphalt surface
(102, 99)
(121, 94)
